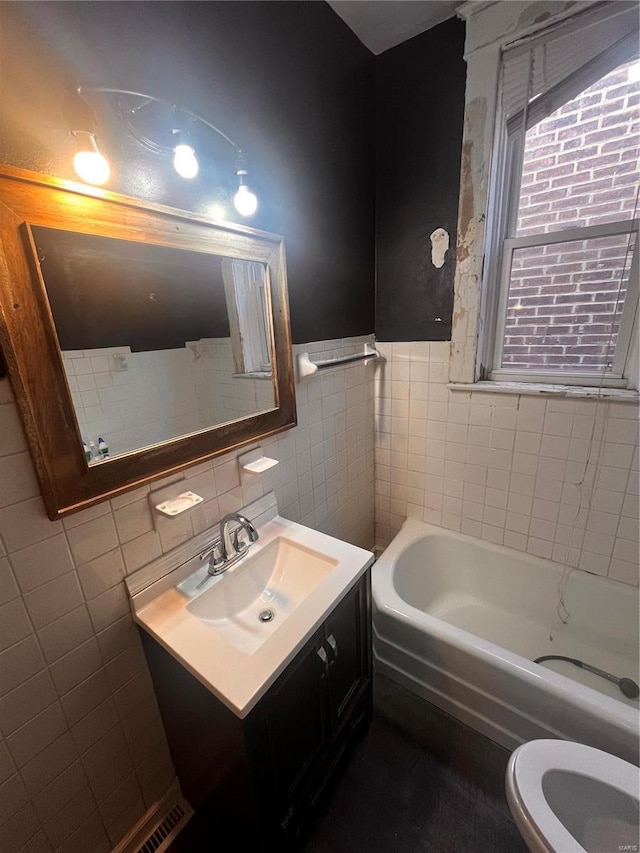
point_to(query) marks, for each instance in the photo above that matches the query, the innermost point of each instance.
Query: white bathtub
(459, 621)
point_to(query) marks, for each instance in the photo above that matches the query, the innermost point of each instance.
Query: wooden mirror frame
(32, 353)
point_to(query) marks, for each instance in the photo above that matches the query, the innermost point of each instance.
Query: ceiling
(381, 24)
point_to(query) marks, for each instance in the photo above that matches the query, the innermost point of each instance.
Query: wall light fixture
(89, 163)
(185, 161)
(245, 202)
(129, 107)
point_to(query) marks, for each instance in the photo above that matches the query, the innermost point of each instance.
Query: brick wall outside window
(580, 168)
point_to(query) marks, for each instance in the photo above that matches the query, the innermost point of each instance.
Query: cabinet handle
(322, 654)
(331, 640)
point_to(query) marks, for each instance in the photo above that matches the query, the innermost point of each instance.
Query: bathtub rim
(388, 601)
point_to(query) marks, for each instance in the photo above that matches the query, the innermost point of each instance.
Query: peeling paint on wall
(489, 27)
(471, 168)
(536, 13)
(466, 195)
(439, 246)
(473, 181)
(501, 22)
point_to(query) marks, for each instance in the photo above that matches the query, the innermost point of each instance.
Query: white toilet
(570, 798)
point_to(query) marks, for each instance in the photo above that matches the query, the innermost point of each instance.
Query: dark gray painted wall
(294, 86)
(420, 87)
(289, 81)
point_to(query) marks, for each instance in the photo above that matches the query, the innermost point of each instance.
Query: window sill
(254, 374)
(539, 390)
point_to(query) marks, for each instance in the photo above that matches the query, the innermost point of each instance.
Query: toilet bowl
(570, 798)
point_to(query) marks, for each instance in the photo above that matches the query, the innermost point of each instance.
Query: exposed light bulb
(245, 202)
(89, 163)
(185, 161)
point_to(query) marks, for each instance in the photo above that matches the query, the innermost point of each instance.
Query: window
(564, 218)
(245, 285)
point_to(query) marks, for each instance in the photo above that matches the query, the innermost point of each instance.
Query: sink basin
(246, 605)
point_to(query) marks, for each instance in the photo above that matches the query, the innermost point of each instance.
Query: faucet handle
(213, 555)
(239, 544)
(208, 552)
(217, 560)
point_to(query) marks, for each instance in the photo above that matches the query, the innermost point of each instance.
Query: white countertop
(236, 678)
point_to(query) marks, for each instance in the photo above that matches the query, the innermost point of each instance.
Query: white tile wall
(160, 394)
(554, 477)
(220, 395)
(82, 748)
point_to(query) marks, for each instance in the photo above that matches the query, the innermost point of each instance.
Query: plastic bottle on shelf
(87, 452)
(103, 449)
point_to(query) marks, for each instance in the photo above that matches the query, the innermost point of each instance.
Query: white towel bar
(306, 367)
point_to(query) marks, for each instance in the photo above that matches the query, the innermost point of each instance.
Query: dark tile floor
(394, 797)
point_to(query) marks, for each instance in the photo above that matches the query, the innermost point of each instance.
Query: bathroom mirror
(139, 339)
(156, 342)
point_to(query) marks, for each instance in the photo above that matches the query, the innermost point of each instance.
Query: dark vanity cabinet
(257, 780)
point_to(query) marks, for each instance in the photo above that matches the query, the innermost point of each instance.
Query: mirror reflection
(157, 342)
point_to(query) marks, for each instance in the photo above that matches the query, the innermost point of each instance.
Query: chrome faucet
(229, 548)
(232, 549)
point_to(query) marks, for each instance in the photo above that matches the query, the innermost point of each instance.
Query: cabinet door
(296, 719)
(346, 641)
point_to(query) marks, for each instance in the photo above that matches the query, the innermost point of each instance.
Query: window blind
(534, 67)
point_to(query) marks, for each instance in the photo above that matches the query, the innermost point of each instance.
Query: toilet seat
(543, 831)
